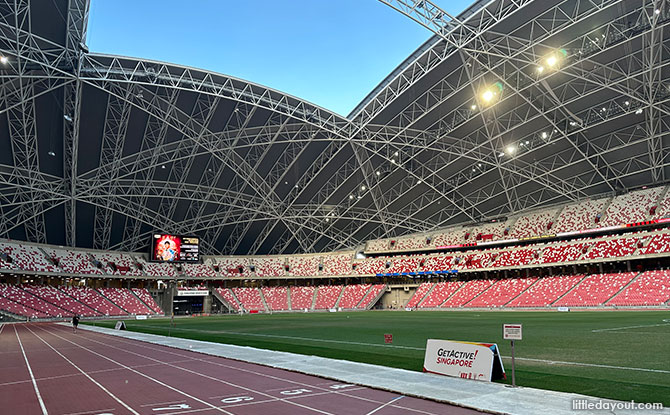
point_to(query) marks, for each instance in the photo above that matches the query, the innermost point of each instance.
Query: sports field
(621, 355)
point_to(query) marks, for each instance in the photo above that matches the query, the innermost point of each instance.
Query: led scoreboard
(174, 248)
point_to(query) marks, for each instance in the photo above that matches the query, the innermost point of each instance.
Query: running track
(47, 369)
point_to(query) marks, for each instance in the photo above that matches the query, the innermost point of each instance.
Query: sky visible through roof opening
(329, 52)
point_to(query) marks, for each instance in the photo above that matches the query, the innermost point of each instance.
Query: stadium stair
(423, 295)
(263, 300)
(239, 303)
(288, 300)
(110, 300)
(370, 288)
(449, 296)
(137, 297)
(623, 288)
(224, 301)
(480, 293)
(316, 291)
(569, 291)
(339, 297)
(522, 292)
(372, 301)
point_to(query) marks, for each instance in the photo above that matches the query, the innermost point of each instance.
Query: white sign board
(459, 359)
(140, 317)
(192, 293)
(512, 331)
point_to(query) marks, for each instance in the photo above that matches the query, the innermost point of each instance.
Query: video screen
(174, 248)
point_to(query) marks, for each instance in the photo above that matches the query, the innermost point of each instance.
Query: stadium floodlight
(554, 59)
(51, 153)
(351, 197)
(544, 135)
(627, 103)
(473, 107)
(639, 111)
(511, 149)
(363, 188)
(540, 69)
(657, 11)
(377, 173)
(491, 93)
(4, 60)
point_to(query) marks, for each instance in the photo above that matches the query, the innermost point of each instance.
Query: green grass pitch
(628, 361)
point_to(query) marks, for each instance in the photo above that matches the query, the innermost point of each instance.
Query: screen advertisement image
(174, 248)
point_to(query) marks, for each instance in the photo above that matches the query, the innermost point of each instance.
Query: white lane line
(198, 374)
(207, 359)
(385, 405)
(32, 377)
(116, 398)
(141, 374)
(629, 327)
(97, 411)
(558, 362)
(92, 372)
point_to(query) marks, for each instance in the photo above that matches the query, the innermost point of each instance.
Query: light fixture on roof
(473, 107)
(480, 164)
(540, 69)
(351, 197)
(554, 60)
(544, 135)
(51, 153)
(4, 60)
(363, 188)
(627, 103)
(492, 93)
(296, 186)
(639, 111)
(511, 149)
(67, 117)
(393, 161)
(163, 166)
(396, 154)
(527, 142)
(327, 220)
(657, 11)
(418, 182)
(377, 173)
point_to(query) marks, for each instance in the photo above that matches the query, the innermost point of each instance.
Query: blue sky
(329, 52)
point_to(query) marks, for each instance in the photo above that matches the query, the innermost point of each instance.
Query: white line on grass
(32, 377)
(551, 362)
(558, 362)
(629, 327)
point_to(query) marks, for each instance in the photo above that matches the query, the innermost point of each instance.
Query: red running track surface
(47, 369)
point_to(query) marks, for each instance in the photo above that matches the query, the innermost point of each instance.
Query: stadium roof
(101, 151)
